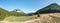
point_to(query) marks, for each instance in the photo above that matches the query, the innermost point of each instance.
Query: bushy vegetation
(3, 13)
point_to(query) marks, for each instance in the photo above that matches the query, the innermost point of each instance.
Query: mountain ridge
(54, 7)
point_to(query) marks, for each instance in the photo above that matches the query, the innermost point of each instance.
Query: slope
(52, 8)
(3, 13)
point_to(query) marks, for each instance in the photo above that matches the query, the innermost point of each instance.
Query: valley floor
(44, 18)
(29, 21)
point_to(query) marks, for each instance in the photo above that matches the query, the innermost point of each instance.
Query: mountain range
(52, 8)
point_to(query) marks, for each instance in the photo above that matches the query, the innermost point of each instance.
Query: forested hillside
(3, 13)
(52, 8)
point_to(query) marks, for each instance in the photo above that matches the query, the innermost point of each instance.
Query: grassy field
(21, 18)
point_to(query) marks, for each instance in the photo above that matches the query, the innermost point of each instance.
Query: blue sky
(26, 6)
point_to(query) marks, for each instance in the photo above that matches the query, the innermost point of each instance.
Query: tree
(3, 13)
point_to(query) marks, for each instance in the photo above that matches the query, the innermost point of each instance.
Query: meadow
(20, 18)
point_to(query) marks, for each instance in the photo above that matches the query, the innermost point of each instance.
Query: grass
(21, 18)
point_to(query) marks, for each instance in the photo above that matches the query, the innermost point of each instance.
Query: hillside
(52, 8)
(3, 13)
(17, 12)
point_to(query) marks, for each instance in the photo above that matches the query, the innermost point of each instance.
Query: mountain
(52, 8)
(17, 12)
(3, 13)
(30, 14)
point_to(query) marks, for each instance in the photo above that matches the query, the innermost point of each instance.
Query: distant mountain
(30, 14)
(17, 12)
(52, 8)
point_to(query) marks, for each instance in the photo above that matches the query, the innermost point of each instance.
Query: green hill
(52, 8)
(3, 13)
(17, 12)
